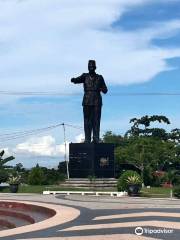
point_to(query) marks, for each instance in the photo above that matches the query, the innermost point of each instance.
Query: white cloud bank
(44, 43)
(40, 146)
(44, 146)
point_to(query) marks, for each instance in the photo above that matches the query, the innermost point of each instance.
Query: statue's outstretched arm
(79, 79)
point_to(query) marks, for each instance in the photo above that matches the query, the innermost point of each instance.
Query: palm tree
(3, 167)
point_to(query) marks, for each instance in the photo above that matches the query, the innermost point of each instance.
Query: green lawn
(145, 192)
(37, 189)
(40, 189)
(156, 192)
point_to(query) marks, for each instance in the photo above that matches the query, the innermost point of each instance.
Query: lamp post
(65, 151)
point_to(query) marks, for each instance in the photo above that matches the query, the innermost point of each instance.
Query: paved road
(109, 218)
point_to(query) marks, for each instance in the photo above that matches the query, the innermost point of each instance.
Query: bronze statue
(92, 102)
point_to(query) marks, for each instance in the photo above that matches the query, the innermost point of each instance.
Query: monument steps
(99, 183)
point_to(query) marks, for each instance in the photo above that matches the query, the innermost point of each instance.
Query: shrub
(54, 177)
(134, 179)
(62, 177)
(157, 181)
(14, 178)
(24, 176)
(3, 175)
(176, 191)
(147, 176)
(176, 180)
(122, 184)
(36, 176)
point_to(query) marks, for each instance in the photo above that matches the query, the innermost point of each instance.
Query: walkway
(96, 218)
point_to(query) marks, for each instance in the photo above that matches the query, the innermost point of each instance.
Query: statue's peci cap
(92, 62)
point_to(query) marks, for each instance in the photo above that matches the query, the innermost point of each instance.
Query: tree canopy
(146, 147)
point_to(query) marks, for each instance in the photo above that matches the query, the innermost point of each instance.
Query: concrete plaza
(92, 217)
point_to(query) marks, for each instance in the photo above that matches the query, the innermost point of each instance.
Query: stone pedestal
(90, 159)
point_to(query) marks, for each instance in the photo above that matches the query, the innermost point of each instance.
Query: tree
(19, 167)
(36, 176)
(147, 148)
(62, 167)
(140, 127)
(110, 137)
(5, 160)
(146, 153)
(3, 166)
(175, 135)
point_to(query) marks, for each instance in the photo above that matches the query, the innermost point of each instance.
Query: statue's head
(92, 66)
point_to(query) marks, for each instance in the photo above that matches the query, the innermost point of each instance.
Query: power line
(28, 93)
(18, 93)
(22, 134)
(146, 94)
(32, 130)
(15, 135)
(73, 126)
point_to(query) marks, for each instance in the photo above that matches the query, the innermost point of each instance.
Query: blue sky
(42, 45)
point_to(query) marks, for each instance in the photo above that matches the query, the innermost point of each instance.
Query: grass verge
(159, 192)
(41, 188)
(145, 192)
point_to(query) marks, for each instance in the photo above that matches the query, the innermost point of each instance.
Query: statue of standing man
(92, 101)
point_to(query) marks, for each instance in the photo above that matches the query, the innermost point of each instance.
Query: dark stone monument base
(91, 159)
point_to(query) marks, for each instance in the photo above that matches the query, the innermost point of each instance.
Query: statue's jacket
(93, 86)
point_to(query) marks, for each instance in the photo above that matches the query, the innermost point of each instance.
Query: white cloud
(79, 138)
(41, 146)
(44, 146)
(44, 43)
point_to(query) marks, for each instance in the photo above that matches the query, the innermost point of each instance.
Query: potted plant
(14, 181)
(134, 183)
